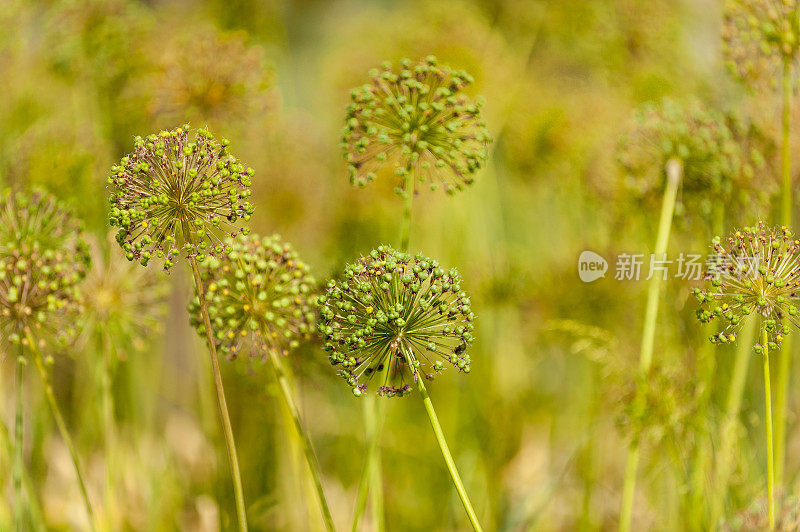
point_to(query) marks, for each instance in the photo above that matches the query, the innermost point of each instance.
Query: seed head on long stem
(389, 306)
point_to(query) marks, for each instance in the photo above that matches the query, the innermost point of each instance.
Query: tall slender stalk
(440, 439)
(305, 440)
(222, 404)
(62, 426)
(34, 512)
(408, 203)
(18, 503)
(109, 430)
(370, 479)
(785, 354)
(768, 422)
(730, 421)
(674, 172)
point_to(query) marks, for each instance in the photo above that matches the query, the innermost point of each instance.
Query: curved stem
(674, 172)
(308, 447)
(768, 422)
(440, 439)
(18, 502)
(62, 426)
(785, 355)
(222, 404)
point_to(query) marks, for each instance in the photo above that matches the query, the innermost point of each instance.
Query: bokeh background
(539, 427)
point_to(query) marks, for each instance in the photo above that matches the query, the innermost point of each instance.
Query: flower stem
(730, 421)
(222, 404)
(785, 355)
(308, 448)
(674, 170)
(109, 430)
(371, 471)
(768, 422)
(408, 203)
(62, 426)
(18, 503)
(437, 430)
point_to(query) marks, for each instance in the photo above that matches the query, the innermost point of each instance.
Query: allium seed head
(418, 123)
(758, 36)
(717, 157)
(389, 307)
(42, 261)
(172, 191)
(757, 272)
(124, 304)
(260, 295)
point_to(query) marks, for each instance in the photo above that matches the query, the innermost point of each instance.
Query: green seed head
(260, 295)
(417, 123)
(175, 191)
(43, 259)
(756, 270)
(393, 317)
(759, 36)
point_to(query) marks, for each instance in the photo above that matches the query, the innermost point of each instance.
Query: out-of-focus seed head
(388, 308)
(43, 259)
(260, 295)
(759, 36)
(418, 123)
(718, 156)
(174, 191)
(755, 271)
(211, 75)
(124, 305)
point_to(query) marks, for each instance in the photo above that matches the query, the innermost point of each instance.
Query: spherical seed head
(173, 190)
(759, 36)
(717, 154)
(756, 272)
(124, 305)
(418, 122)
(260, 295)
(43, 259)
(389, 308)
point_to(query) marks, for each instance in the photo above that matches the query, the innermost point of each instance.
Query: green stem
(32, 506)
(785, 355)
(408, 203)
(370, 471)
(728, 429)
(308, 448)
(222, 404)
(770, 457)
(62, 426)
(674, 172)
(18, 502)
(437, 430)
(109, 431)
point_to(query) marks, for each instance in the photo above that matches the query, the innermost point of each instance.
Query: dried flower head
(759, 36)
(260, 295)
(42, 261)
(124, 305)
(717, 155)
(418, 123)
(756, 271)
(390, 307)
(172, 189)
(211, 75)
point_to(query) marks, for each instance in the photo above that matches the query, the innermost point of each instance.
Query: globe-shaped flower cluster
(393, 317)
(718, 155)
(755, 271)
(124, 304)
(417, 122)
(43, 259)
(759, 36)
(260, 295)
(173, 190)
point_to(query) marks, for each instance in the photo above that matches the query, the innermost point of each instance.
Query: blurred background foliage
(539, 427)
